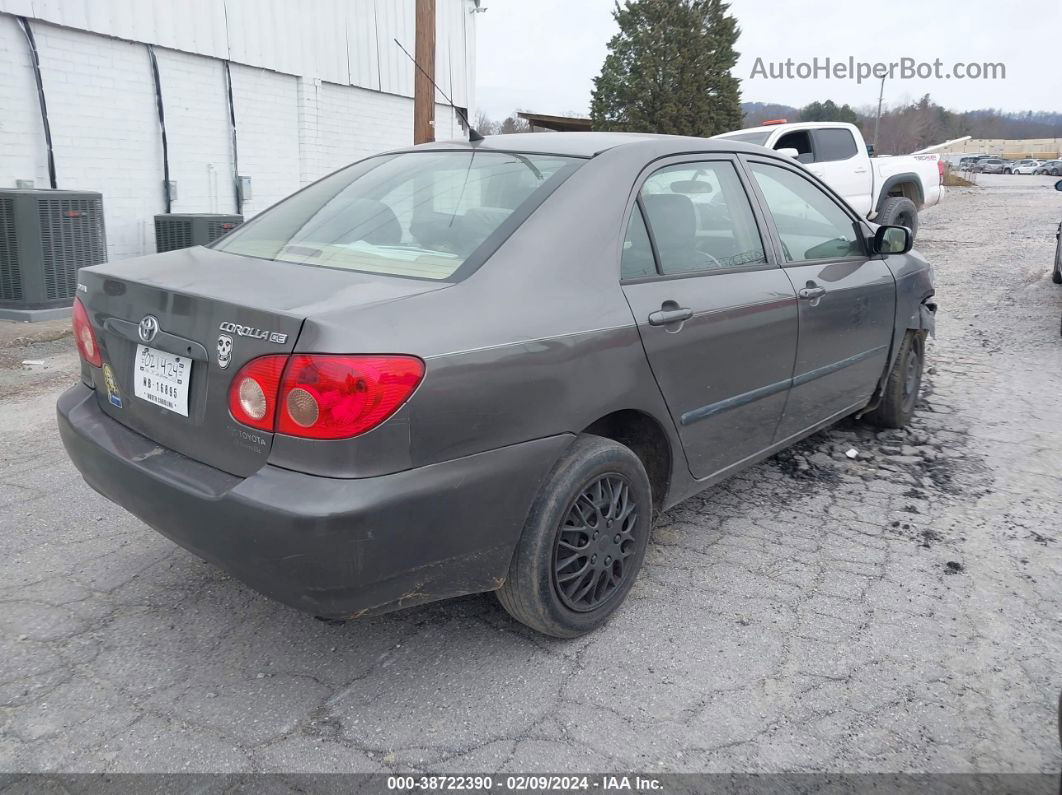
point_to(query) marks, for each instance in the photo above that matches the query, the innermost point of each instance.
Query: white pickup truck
(886, 190)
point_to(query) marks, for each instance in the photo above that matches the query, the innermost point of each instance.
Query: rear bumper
(334, 548)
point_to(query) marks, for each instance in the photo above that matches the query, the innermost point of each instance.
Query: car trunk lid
(216, 311)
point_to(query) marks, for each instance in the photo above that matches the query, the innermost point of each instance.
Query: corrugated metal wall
(348, 42)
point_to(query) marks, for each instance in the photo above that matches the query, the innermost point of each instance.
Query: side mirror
(870, 150)
(789, 152)
(1058, 185)
(893, 240)
(806, 157)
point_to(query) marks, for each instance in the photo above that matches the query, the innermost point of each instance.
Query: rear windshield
(759, 137)
(416, 214)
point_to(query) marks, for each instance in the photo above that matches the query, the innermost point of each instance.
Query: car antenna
(473, 135)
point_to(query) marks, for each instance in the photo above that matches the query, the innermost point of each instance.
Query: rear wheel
(584, 541)
(898, 211)
(900, 394)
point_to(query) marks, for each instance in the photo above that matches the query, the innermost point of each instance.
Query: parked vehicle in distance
(1050, 167)
(885, 190)
(1027, 166)
(967, 162)
(1056, 272)
(486, 367)
(989, 165)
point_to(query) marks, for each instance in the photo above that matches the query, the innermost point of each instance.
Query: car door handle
(811, 293)
(665, 317)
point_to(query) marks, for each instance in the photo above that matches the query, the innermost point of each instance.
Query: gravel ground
(896, 612)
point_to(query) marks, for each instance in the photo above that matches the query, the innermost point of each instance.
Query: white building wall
(105, 129)
(198, 132)
(22, 155)
(267, 134)
(348, 42)
(337, 89)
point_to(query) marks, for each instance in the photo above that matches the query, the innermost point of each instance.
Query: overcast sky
(542, 55)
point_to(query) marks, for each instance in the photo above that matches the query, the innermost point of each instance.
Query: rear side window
(637, 258)
(701, 218)
(834, 144)
(417, 214)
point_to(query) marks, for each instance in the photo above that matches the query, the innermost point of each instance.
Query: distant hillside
(757, 113)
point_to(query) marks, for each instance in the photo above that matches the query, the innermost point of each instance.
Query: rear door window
(834, 144)
(701, 219)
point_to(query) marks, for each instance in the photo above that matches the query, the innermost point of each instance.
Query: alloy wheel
(594, 542)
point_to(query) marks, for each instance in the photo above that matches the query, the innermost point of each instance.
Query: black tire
(568, 510)
(898, 211)
(900, 396)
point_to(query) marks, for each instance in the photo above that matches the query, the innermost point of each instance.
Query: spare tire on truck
(898, 211)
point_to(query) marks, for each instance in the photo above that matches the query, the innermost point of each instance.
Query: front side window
(416, 214)
(701, 218)
(811, 225)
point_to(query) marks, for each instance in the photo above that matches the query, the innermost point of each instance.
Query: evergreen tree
(828, 111)
(668, 70)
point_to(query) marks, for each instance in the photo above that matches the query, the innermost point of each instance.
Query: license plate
(162, 378)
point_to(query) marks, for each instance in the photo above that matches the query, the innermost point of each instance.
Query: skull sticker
(224, 350)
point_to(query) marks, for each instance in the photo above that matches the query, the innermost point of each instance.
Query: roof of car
(588, 144)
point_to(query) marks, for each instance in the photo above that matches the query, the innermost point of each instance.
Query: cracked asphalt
(900, 611)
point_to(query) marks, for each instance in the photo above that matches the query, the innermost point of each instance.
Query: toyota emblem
(149, 327)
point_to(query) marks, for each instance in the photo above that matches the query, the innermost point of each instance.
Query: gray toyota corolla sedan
(485, 367)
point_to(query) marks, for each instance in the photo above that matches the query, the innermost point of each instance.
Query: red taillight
(84, 336)
(322, 396)
(253, 392)
(336, 397)
(940, 170)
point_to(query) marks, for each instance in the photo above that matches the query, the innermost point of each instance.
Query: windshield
(759, 137)
(417, 214)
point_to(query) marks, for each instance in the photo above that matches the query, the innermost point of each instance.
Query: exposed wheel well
(642, 434)
(908, 190)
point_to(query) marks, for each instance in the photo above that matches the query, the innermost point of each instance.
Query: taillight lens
(84, 336)
(336, 397)
(940, 170)
(322, 396)
(253, 392)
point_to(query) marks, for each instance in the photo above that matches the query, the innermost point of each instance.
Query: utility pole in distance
(877, 119)
(423, 90)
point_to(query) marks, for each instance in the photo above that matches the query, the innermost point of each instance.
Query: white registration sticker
(162, 378)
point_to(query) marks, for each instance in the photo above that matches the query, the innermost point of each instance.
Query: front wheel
(900, 394)
(584, 541)
(898, 211)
